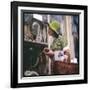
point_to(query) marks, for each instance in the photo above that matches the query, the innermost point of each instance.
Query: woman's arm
(48, 52)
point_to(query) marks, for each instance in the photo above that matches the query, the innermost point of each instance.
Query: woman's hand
(48, 52)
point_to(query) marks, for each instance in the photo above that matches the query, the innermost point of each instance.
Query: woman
(57, 42)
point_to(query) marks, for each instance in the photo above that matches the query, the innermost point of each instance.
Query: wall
(5, 45)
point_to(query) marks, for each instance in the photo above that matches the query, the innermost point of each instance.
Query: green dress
(58, 43)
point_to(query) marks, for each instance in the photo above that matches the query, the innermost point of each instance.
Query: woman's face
(50, 32)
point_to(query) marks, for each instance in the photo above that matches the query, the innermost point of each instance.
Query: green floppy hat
(55, 26)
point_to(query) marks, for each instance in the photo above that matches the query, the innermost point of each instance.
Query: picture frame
(30, 23)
